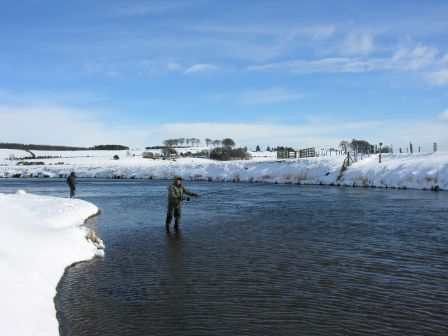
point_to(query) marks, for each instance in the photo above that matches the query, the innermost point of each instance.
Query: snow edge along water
(41, 237)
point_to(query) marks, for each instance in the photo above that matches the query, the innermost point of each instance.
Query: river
(257, 260)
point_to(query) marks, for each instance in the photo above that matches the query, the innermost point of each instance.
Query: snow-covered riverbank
(419, 170)
(40, 237)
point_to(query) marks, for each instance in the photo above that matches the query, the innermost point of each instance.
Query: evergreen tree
(258, 149)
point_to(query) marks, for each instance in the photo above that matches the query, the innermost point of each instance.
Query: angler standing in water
(175, 197)
(71, 181)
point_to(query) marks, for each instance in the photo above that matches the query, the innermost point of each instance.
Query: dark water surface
(264, 260)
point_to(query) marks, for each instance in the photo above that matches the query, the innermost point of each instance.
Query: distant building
(307, 152)
(286, 154)
(150, 155)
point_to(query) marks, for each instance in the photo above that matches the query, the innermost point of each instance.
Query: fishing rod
(232, 189)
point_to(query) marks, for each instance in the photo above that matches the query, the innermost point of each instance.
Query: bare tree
(208, 141)
(217, 143)
(343, 145)
(229, 143)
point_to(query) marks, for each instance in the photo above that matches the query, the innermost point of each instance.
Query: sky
(295, 73)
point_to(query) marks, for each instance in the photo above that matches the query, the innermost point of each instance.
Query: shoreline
(332, 184)
(43, 235)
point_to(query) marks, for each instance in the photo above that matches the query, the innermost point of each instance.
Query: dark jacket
(176, 193)
(71, 181)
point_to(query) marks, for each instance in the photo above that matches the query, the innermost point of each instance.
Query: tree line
(181, 142)
(361, 146)
(7, 145)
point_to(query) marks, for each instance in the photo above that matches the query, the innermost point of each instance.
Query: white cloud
(405, 58)
(274, 95)
(200, 68)
(444, 115)
(358, 44)
(267, 133)
(438, 78)
(62, 126)
(413, 58)
(325, 65)
(55, 125)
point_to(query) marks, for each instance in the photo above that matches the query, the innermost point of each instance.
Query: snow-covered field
(420, 170)
(40, 237)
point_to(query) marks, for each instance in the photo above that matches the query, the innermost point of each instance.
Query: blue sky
(263, 72)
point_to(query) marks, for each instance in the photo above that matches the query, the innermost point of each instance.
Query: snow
(418, 170)
(40, 237)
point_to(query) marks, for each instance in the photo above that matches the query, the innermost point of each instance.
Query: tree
(268, 149)
(258, 149)
(227, 153)
(228, 143)
(217, 143)
(208, 141)
(360, 145)
(343, 145)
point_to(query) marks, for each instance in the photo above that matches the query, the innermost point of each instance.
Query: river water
(258, 260)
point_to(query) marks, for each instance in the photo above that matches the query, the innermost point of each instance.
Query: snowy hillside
(420, 171)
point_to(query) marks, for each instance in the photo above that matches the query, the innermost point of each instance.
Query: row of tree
(361, 146)
(7, 145)
(181, 142)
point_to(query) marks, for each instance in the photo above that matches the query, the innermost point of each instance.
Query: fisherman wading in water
(71, 181)
(175, 197)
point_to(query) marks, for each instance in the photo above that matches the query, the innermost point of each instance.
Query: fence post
(380, 152)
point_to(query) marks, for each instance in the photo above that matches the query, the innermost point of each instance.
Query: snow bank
(40, 237)
(418, 170)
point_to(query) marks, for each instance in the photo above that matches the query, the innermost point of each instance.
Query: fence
(359, 154)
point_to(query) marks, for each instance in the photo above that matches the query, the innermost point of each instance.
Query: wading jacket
(176, 193)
